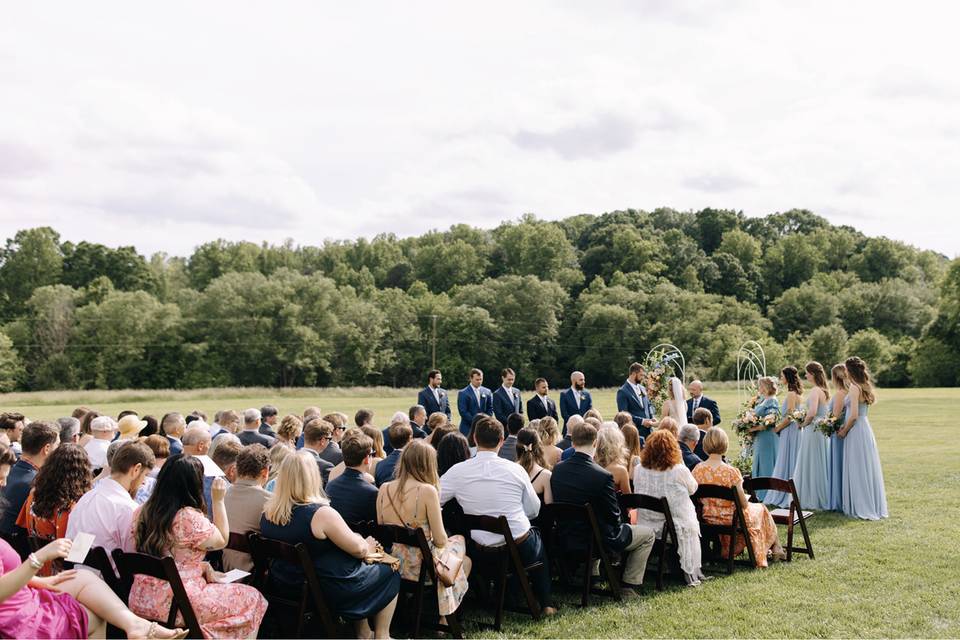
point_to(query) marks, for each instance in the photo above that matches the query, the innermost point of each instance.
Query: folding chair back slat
(788, 517)
(133, 564)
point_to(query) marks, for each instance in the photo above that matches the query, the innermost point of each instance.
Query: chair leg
(453, 623)
(418, 611)
(661, 564)
(501, 595)
(587, 575)
(806, 537)
(790, 540)
(613, 583)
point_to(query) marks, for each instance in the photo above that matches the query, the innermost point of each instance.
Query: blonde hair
(715, 441)
(290, 427)
(298, 483)
(417, 464)
(593, 413)
(631, 439)
(278, 453)
(770, 383)
(838, 374)
(611, 448)
(549, 431)
(377, 436)
(669, 424)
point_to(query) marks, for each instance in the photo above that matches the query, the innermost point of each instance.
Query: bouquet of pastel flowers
(798, 415)
(829, 425)
(748, 420)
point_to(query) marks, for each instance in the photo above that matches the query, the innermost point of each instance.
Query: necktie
(477, 391)
(696, 403)
(579, 398)
(546, 406)
(436, 394)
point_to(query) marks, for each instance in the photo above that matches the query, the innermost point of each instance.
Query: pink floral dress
(224, 610)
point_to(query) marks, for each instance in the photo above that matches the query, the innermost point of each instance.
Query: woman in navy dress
(298, 512)
(764, 439)
(863, 493)
(838, 374)
(788, 447)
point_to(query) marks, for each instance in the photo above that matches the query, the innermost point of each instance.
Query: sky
(166, 125)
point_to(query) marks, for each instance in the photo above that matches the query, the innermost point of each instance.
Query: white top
(676, 485)
(488, 485)
(97, 451)
(106, 512)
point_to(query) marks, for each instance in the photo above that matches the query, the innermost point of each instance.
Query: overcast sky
(164, 125)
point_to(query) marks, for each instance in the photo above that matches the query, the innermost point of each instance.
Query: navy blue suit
(352, 497)
(705, 403)
(690, 459)
(536, 410)
(15, 494)
(568, 405)
(506, 402)
(175, 446)
(468, 407)
(426, 400)
(580, 480)
(636, 406)
(384, 471)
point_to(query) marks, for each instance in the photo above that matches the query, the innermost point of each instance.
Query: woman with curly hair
(289, 431)
(662, 474)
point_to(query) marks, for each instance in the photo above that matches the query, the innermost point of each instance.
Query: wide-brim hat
(130, 426)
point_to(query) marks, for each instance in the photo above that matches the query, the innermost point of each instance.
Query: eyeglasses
(372, 453)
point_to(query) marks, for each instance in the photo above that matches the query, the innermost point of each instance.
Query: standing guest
(698, 400)
(812, 473)
(763, 531)
(509, 449)
(172, 426)
(104, 429)
(400, 434)
(662, 474)
(632, 399)
(129, 426)
(611, 455)
(298, 511)
(172, 522)
(530, 457)
(634, 445)
(152, 427)
(268, 419)
(473, 400)
(687, 437)
(413, 500)
(245, 499)
(838, 374)
(488, 485)
(39, 440)
(418, 420)
(12, 424)
(434, 398)
(864, 496)
(69, 430)
(788, 446)
(288, 433)
(86, 434)
(251, 430)
(703, 420)
(453, 452)
(317, 435)
(764, 438)
(576, 400)
(352, 493)
(506, 398)
(549, 433)
(106, 510)
(540, 405)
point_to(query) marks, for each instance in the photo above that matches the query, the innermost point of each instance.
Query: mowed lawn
(897, 577)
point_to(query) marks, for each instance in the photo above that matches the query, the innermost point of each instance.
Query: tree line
(543, 297)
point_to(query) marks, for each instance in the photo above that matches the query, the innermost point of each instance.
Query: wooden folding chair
(35, 543)
(506, 558)
(98, 559)
(583, 513)
(389, 535)
(18, 540)
(788, 517)
(666, 546)
(133, 564)
(265, 551)
(712, 532)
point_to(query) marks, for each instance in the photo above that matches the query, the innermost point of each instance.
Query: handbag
(446, 564)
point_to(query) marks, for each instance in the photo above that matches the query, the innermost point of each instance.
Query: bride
(676, 405)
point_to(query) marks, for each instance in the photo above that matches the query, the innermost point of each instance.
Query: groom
(698, 400)
(632, 398)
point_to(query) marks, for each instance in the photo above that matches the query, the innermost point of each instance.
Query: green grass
(894, 578)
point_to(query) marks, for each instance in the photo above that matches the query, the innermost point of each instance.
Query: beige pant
(637, 553)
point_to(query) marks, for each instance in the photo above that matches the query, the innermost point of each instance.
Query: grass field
(894, 578)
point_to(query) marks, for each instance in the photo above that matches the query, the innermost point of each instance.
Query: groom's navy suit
(468, 407)
(505, 402)
(635, 405)
(568, 405)
(536, 410)
(705, 403)
(426, 400)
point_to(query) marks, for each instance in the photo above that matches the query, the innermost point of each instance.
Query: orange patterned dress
(763, 531)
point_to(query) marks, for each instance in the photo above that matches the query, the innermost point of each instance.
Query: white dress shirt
(576, 396)
(97, 452)
(488, 485)
(106, 512)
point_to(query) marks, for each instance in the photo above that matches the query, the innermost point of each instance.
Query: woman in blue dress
(789, 444)
(813, 461)
(838, 374)
(764, 439)
(863, 493)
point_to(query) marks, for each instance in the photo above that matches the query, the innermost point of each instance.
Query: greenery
(587, 292)
(893, 578)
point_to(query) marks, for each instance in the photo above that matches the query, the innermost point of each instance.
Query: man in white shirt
(488, 485)
(106, 511)
(104, 428)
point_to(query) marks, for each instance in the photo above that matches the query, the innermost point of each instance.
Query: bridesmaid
(789, 444)
(863, 493)
(813, 461)
(764, 439)
(838, 374)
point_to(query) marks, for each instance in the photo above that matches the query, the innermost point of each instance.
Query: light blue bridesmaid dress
(836, 465)
(787, 449)
(863, 493)
(764, 445)
(813, 463)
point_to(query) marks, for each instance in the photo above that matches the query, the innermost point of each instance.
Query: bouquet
(829, 425)
(747, 420)
(798, 415)
(657, 375)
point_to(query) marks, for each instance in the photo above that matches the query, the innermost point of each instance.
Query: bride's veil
(679, 400)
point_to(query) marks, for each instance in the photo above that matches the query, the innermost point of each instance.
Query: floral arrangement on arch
(659, 371)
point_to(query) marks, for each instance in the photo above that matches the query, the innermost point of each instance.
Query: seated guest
(288, 433)
(530, 457)
(196, 441)
(230, 422)
(39, 441)
(611, 455)
(634, 443)
(363, 418)
(379, 453)
(400, 434)
(662, 474)
(418, 418)
(549, 432)
(251, 430)
(353, 493)
(623, 418)
(413, 500)
(129, 426)
(297, 512)
(704, 421)
(440, 430)
(331, 447)
(453, 452)
(687, 438)
(225, 457)
(488, 485)
(13, 424)
(173, 522)
(106, 510)
(86, 434)
(580, 480)
(508, 451)
(670, 425)
(565, 443)
(268, 420)
(153, 426)
(69, 430)
(397, 418)
(172, 427)
(763, 530)
(104, 429)
(317, 435)
(277, 456)
(245, 499)
(594, 414)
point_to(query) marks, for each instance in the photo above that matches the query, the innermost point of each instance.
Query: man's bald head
(196, 441)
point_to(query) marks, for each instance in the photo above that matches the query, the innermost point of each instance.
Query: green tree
(31, 259)
(742, 246)
(607, 333)
(874, 348)
(127, 270)
(936, 361)
(712, 224)
(214, 259)
(534, 247)
(803, 309)
(828, 344)
(880, 258)
(11, 369)
(43, 337)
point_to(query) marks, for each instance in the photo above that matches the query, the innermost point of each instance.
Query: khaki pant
(637, 552)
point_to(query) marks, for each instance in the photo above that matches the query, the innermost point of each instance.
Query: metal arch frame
(751, 364)
(665, 348)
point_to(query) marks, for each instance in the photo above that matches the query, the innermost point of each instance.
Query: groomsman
(698, 400)
(540, 405)
(632, 398)
(433, 398)
(506, 399)
(576, 400)
(473, 399)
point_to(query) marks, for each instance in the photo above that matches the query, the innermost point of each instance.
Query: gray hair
(69, 428)
(195, 435)
(220, 439)
(609, 425)
(103, 423)
(400, 417)
(574, 420)
(689, 432)
(251, 415)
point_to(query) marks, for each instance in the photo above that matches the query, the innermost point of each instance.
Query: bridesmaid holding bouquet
(863, 493)
(764, 439)
(812, 473)
(838, 375)
(789, 445)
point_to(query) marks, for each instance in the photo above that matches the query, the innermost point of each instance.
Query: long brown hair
(815, 369)
(377, 436)
(631, 436)
(838, 373)
(529, 450)
(418, 463)
(64, 477)
(857, 369)
(792, 377)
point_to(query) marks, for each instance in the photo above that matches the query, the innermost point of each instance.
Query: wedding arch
(751, 365)
(666, 355)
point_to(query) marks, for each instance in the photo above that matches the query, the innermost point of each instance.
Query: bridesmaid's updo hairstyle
(839, 376)
(815, 369)
(857, 370)
(792, 376)
(767, 385)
